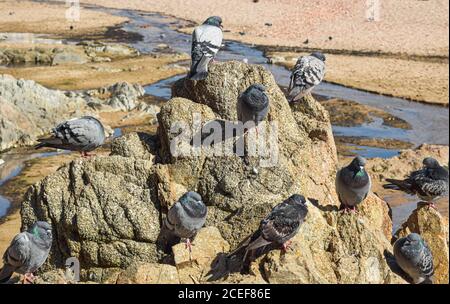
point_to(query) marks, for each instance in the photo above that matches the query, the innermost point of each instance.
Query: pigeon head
(214, 21)
(430, 163)
(319, 56)
(298, 199)
(413, 240)
(191, 197)
(358, 163)
(255, 97)
(41, 230)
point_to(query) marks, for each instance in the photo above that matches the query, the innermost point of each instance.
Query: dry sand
(411, 79)
(404, 26)
(32, 17)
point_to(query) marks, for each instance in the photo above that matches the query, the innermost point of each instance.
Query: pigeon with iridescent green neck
(353, 184)
(27, 252)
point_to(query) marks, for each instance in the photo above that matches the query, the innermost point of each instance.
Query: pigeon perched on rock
(27, 252)
(429, 183)
(307, 73)
(253, 104)
(279, 227)
(186, 217)
(353, 184)
(415, 258)
(206, 42)
(84, 134)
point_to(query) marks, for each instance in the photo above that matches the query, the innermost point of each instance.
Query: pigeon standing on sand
(353, 184)
(414, 256)
(308, 72)
(84, 134)
(279, 227)
(27, 252)
(186, 217)
(429, 183)
(206, 42)
(253, 104)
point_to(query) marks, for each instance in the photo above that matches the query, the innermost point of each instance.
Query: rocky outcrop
(107, 211)
(434, 229)
(29, 110)
(103, 211)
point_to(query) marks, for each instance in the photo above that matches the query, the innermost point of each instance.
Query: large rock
(305, 161)
(103, 212)
(347, 249)
(434, 229)
(29, 110)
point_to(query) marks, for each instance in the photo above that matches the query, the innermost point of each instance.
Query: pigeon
(27, 252)
(353, 184)
(186, 217)
(429, 184)
(206, 42)
(279, 227)
(308, 72)
(415, 258)
(253, 104)
(84, 134)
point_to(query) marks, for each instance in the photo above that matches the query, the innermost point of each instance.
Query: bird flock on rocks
(29, 250)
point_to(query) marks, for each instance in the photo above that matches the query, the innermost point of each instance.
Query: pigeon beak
(361, 168)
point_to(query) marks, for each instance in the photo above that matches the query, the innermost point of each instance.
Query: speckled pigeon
(429, 183)
(415, 258)
(308, 72)
(186, 217)
(253, 104)
(206, 42)
(353, 184)
(279, 227)
(84, 134)
(27, 252)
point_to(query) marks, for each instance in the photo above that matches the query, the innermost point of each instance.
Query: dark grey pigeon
(353, 184)
(429, 184)
(206, 42)
(186, 217)
(253, 104)
(84, 134)
(414, 256)
(308, 72)
(279, 227)
(27, 252)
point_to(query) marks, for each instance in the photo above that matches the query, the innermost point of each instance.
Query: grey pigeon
(84, 134)
(186, 217)
(353, 184)
(414, 256)
(307, 73)
(429, 183)
(253, 104)
(279, 227)
(206, 42)
(27, 252)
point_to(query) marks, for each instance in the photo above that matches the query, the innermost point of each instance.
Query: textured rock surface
(29, 110)
(347, 249)
(434, 229)
(107, 211)
(227, 182)
(102, 209)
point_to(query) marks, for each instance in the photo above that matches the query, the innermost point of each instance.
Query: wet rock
(102, 210)
(434, 229)
(149, 273)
